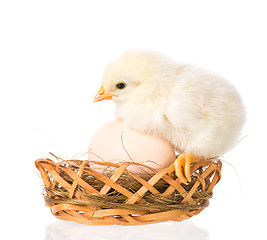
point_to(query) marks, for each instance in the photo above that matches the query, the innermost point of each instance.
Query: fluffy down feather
(197, 111)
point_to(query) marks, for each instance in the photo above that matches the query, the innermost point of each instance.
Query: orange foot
(182, 166)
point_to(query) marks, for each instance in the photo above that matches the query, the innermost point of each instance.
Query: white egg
(115, 142)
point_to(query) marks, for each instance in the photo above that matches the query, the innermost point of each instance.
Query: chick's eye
(120, 85)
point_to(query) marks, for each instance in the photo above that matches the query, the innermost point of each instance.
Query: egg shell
(111, 141)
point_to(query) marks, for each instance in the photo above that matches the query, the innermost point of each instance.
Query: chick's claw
(182, 166)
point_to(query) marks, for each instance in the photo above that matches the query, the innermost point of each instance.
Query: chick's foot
(182, 166)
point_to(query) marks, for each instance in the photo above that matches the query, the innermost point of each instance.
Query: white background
(52, 54)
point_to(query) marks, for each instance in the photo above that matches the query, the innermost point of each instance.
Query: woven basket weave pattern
(69, 175)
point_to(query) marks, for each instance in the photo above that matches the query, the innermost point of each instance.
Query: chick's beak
(101, 95)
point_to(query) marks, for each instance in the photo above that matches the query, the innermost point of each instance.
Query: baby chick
(198, 112)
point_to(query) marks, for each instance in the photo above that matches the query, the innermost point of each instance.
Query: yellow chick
(198, 112)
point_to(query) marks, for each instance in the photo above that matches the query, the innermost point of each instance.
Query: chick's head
(136, 74)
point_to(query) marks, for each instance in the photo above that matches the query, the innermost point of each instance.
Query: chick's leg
(182, 166)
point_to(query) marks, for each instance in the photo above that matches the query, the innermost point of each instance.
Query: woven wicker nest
(87, 193)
